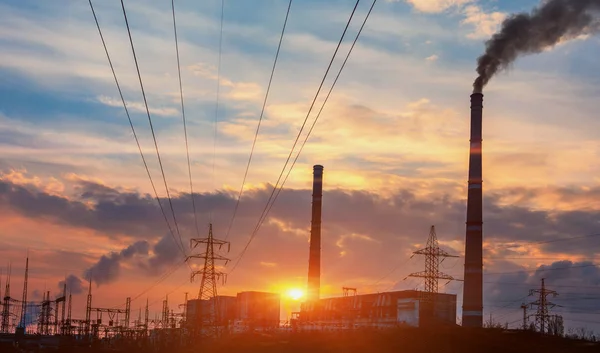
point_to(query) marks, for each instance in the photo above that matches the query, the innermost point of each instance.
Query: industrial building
(259, 309)
(378, 310)
(225, 305)
(254, 310)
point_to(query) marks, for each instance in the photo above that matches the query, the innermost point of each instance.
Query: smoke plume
(74, 285)
(551, 22)
(107, 269)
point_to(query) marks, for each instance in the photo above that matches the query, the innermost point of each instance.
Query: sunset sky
(393, 139)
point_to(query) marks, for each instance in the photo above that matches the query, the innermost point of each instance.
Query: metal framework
(433, 257)
(22, 323)
(4, 328)
(207, 320)
(545, 323)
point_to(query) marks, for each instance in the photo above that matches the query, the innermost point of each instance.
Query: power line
(565, 239)
(554, 285)
(539, 269)
(546, 242)
(322, 106)
(152, 127)
(536, 270)
(509, 304)
(217, 98)
(392, 271)
(161, 279)
(187, 150)
(237, 203)
(267, 205)
(169, 293)
(130, 121)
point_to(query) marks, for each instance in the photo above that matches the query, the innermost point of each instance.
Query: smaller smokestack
(314, 259)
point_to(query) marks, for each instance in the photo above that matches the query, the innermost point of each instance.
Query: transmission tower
(207, 319)
(543, 320)
(4, 328)
(433, 257)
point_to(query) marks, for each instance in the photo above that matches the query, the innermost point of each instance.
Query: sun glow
(295, 293)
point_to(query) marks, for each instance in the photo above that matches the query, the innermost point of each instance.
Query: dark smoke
(165, 253)
(74, 285)
(107, 269)
(530, 33)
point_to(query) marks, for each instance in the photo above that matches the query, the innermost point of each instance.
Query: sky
(393, 139)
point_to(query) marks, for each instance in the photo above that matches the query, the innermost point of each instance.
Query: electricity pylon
(544, 321)
(433, 257)
(207, 320)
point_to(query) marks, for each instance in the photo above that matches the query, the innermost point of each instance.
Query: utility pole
(524, 307)
(542, 318)
(146, 314)
(68, 326)
(88, 310)
(64, 302)
(349, 305)
(127, 312)
(185, 304)
(22, 321)
(208, 320)
(433, 257)
(165, 312)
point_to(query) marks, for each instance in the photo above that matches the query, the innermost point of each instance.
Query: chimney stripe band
(469, 269)
(472, 313)
(474, 228)
(474, 186)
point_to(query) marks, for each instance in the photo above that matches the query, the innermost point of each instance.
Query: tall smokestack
(472, 315)
(314, 259)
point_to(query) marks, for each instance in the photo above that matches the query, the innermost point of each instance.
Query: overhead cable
(237, 203)
(187, 150)
(180, 245)
(276, 190)
(217, 99)
(131, 123)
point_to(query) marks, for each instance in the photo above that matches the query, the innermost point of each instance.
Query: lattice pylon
(208, 320)
(542, 315)
(433, 257)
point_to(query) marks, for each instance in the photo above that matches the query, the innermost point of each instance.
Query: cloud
(577, 285)
(432, 58)
(485, 23)
(434, 6)
(355, 224)
(139, 107)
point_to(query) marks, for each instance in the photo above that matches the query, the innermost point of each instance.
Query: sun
(295, 293)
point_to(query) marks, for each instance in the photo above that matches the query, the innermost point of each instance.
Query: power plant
(211, 315)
